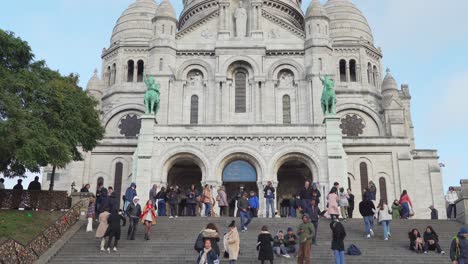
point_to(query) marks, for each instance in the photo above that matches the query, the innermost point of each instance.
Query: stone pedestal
(462, 203)
(336, 155)
(142, 167)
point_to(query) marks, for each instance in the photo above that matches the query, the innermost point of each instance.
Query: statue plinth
(337, 159)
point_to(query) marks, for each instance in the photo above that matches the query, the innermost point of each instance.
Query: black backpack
(353, 250)
(199, 243)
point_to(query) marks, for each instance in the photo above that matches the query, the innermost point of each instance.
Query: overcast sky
(424, 42)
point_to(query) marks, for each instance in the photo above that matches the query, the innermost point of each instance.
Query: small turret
(95, 86)
(164, 23)
(317, 25)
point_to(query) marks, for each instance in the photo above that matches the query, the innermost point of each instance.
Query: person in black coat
(431, 241)
(103, 200)
(18, 186)
(351, 203)
(113, 231)
(337, 245)
(264, 247)
(35, 185)
(133, 212)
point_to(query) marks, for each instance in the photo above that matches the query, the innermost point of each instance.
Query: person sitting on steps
(431, 241)
(416, 241)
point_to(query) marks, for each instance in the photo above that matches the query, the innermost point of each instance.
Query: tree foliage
(45, 118)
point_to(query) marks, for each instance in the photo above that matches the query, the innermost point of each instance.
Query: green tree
(45, 118)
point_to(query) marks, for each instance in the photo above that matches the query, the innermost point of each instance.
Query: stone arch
(177, 154)
(370, 172)
(255, 69)
(243, 153)
(124, 123)
(122, 108)
(389, 186)
(194, 64)
(292, 65)
(310, 158)
(373, 115)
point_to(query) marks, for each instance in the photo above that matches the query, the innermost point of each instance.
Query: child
(338, 236)
(416, 241)
(148, 218)
(113, 231)
(265, 250)
(253, 203)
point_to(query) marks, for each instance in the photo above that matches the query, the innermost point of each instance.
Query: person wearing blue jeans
(366, 208)
(385, 217)
(338, 236)
(269, 194)
(207, 209)
(244, 212)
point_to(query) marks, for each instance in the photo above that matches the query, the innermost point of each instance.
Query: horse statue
(151, 95)
(328, 100)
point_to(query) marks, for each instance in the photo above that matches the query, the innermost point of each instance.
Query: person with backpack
(337, 245)
(269, 194)
(459, 247)
(231, 243)
(207, 255)
(253, 204)
(431, 241)
(306, 232)
(416, 241)
(264, 248)
(385, 217)
(367, 208)
(113, 231)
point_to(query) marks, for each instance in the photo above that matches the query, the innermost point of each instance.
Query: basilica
(240, 104)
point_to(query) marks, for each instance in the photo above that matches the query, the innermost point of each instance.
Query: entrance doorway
(291, 177)
(184, 173)
(236, 174)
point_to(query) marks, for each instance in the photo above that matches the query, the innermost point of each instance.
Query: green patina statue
(151, 95)
(328, 96)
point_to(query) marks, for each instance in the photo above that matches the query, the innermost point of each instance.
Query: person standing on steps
(459, 247)
(207, 200)
(129, 195)
(148, 218)
(306, 195)
(305, 232)
(316, 193)
(222, 202)
(103, 225)
(337, 245)
(269, 194)
(332, 201)
(211, 232)
(396, 209)
(113, 231)
(162, 199)
(133, 212)
(244, 212)
(431, 241)
(264, 248)
(372, 191)
(406, 205)
(385, 218)
(451, 198)
(367, 208)
(192, 195)
(343, 203)
(173, 198)
(314, 215)
(207, 255)
(91, 213)
(231, 243)
(253, 204)
(350, 203)
(153, 195)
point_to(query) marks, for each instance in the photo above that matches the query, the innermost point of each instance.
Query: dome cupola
(389, 83)
(316, 9)
(166, 10)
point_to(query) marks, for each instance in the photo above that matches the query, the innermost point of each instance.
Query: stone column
(335, 152)
(135, 73)
(144, 152)
(256, 31)
(261, 199)
(224, 17)
(462, 203)
(348, 73)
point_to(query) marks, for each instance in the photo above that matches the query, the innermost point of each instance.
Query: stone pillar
(224, 18)
(348, 73)
(135, 73)
(144, 152)
(335, 152)
(462, 203)
(256, 31)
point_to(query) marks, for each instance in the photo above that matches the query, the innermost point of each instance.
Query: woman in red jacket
(405, 203)
(148, 218)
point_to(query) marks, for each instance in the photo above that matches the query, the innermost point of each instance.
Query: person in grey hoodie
(244, 212)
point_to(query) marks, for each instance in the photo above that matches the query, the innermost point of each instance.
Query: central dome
(347, 23)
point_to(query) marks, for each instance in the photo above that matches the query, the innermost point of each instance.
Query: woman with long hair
(385, 217)
(148, 218)
(207, 199)
(406, 205)
(332, 201)
(431, 241)
(416, 241)
(337, 245)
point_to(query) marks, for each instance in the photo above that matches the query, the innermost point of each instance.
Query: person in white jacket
(385, 217)
(451, 198)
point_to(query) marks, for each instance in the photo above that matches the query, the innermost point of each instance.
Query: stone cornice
(245, 139)
(298, 32)
(197, 24)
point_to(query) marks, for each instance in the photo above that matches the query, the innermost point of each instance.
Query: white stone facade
(256, 98)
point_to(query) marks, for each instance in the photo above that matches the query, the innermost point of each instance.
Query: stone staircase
(172, 241)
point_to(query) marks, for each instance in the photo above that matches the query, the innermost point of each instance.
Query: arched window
(114, 73)
(286, 109)
(100, 182)
(320, 64)
(194, 110)
(141, 67)
(343, 71)
(364, 176)
(352, 70)
(240, 81)
(118, 181)
(130, 70)
(383, 189)
(369, 73)
(108, 75)
(374, 74)
(161, 62)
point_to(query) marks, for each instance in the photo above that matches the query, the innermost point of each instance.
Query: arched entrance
(238, 173)
(183, 170)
